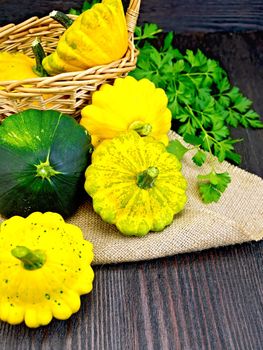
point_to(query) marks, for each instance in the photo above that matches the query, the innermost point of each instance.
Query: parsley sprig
(203, 103)
(148, 31)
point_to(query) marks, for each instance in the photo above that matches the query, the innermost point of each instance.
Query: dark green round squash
(43, 157)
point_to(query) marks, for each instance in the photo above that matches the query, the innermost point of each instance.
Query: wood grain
(196, 15)
(179, 15)
(200, 301)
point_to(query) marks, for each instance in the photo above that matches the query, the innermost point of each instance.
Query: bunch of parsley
(202, 101)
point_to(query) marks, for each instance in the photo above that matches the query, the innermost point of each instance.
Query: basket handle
(132, 14)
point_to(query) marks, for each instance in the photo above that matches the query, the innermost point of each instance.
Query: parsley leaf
(148, 31)
(199, 158)
(87, 4)
(193, 139)
(175, 147)
(212, 185)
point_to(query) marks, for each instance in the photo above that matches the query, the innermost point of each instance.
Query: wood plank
(205, 16)
(179, 15)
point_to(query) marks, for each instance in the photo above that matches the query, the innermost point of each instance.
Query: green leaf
(257, 124)
(233, 94)
(168, 41)
(193, 139)
(233, 118)
(174, 108)
(187, 128)
(225, 150)
(87, 4)
(212, 185)
(177, 54)
(200, 58)
(148, 31)
(219, 131)
(199, 158)
(177, 148)
(223, 179)
(208, 193)
(178, 66)
(251, 119)
(155, 57)
(74, 11)
(223, 85)
(235, 157)
(138, 31)
(242, 103)
(224, 101)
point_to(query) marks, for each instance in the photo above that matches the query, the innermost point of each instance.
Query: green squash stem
(31, 259)
(146, 178)
(39, 54)
(61, 18)
(45, 170)
(143, 129)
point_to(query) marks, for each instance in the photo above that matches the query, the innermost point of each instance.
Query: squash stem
(45, 170)
(31, 259)
(146, 178)
(61, 18)
(143, 129)
(39, 54)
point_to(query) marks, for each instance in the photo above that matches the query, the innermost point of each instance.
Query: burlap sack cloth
(236, 218)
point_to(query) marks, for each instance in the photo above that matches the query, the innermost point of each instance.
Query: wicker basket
(65, 92)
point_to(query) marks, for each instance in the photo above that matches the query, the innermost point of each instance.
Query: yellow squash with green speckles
(44, 268)
(135, 184)
(98, 36)
(128, 104)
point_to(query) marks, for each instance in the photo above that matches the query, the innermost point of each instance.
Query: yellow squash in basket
(98, 36)
(16, 66)
(19, 66)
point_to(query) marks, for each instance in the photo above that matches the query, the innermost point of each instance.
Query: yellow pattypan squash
(44, 268)
(16, 66)
(128, 104)
(98, 36)
(135, 184)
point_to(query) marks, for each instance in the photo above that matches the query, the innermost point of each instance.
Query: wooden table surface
(205, 300)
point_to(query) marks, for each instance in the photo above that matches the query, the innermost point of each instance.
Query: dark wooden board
(179, 15)
(204, 300)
